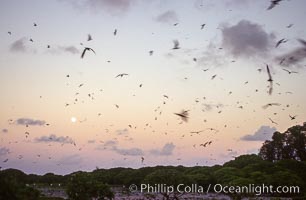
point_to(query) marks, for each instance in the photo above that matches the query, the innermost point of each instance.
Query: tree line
(280, 162)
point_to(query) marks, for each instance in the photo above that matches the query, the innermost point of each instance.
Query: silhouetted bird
(302, 41)
(280, 41)
(270, 104)
(270, 80)
(121, 75)
(184, 115)
(115, 32)
(289, 26)
(87, 49)
(292, 117)
(273, 4)
(202, 26)
(290, 72)
(273, 122)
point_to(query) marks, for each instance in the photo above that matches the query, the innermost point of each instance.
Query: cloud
(70, 49)
(4, 151)
(91, 141)
(122, 131)
(54, 138)
(110, 143)
(19, 45)
(128, 152)
(28, 121)
(294, 57)
(115, 7)
(4, 130)
(71, 160)
(262, 134)
(246, 39)
(168, 17)
(167, 150)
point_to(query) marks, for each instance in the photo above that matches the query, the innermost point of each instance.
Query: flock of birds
(183, 115)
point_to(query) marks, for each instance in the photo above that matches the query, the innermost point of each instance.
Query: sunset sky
(61, 113)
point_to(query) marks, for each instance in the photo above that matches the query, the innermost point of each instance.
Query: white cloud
(167, 150)
(262, 134)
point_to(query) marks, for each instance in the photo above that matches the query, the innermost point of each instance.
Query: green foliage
(83, 186)
(288, 145)
(13, 186)
(243, 161)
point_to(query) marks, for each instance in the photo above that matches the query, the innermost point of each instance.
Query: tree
(83, 186)
(288, 145)
(13, 186)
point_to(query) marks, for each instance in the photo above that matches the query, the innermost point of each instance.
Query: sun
(73, 119)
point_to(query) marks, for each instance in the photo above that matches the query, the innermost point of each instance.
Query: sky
(62, 113)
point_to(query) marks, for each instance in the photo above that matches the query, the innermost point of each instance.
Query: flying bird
(213, 77)
(176, 44)
(142, 159)
(273, 4)
(280, 42)
(87, 49)
(34, 24)
(151, 52)
(115, 32)
(184, 115)
(202, 26)
(289, 26)
(302, 41)
(290, 72)
(292, 117)
(121, 75)
(270, 80)
(270, 104)
(273, 122)
(9, 32)
(197, 132)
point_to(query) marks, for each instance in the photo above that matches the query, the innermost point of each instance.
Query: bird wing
(92, 50)
(83, 53)
(269, 73)
(287, 70)
(302, 41)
